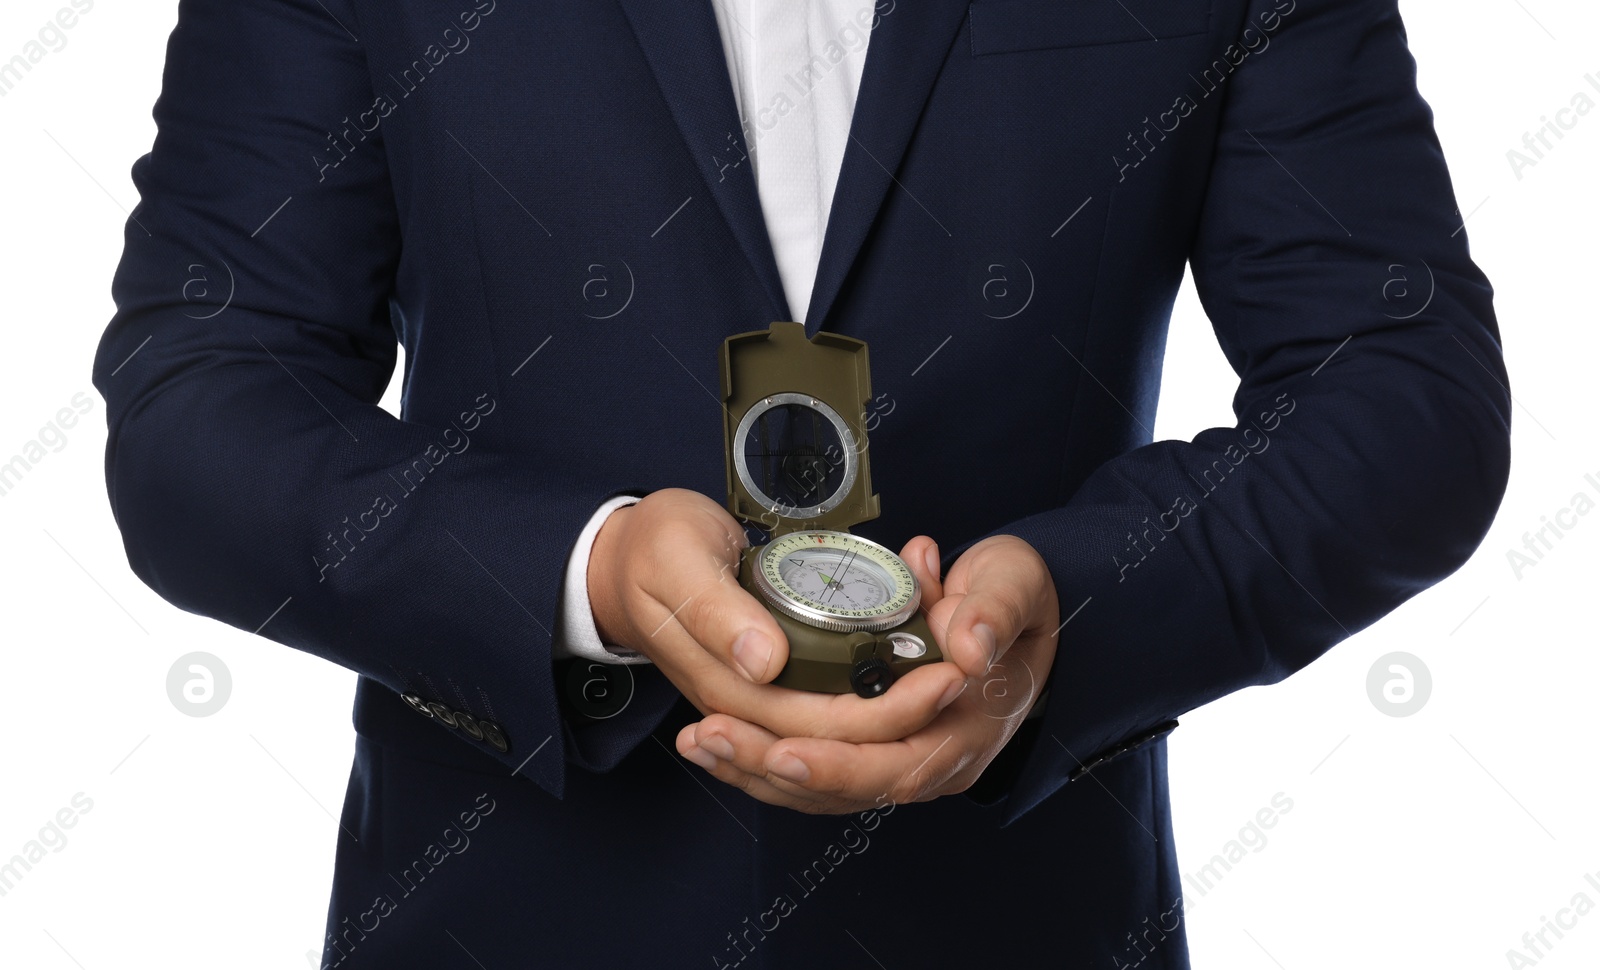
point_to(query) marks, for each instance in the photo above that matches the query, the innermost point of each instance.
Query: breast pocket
(1000, 26)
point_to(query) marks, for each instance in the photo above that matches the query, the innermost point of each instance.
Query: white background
(1434, 840)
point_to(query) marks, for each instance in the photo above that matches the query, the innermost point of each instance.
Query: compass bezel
(847, 442)
(769, 580)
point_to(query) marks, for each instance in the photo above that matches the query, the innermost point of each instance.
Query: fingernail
(985, 636)
(789, 767)
(752, 652)
(951, 693)
(719, 746)
(702, 758)
(932, 559)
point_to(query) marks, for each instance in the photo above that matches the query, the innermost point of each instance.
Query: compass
(837, 581)
(797, 470)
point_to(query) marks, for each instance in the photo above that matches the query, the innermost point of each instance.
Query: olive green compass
(796, 443)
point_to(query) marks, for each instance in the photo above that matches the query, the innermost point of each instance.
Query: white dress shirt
(795, 66)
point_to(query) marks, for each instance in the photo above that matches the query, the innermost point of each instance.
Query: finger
(917, 768)
(938, 616)
(922, 555)
(1003, 590)
(910, 704)
(730, 739)
(732, 751)
(752, 784)
(836, 775)
(745, 747)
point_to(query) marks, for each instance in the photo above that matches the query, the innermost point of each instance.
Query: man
(562, 211)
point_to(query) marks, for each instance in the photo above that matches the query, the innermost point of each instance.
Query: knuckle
(651, 557)
(671, 535)
(713, 696)
(708, 615)
(831, 722)
(905, 791)
(695, 614)
(718, 723)
(960, 782)
(727, 572)
(828, 728)
(907, 788)
(898, 724)
(834, 785)
(1016, 609)
(922, 784)
(1005, 609)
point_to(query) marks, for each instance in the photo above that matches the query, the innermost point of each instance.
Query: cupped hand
(663, 580)
(996, 615)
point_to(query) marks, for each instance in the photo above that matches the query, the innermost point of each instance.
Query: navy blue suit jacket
(551, 207)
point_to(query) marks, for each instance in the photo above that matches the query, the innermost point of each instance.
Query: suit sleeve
(250, 470)
(1372, 445)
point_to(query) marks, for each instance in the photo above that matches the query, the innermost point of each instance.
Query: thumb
(1003, 596)
(679, 553)
(922, 555)
(730, 623)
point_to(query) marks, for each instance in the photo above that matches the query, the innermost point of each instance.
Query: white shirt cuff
(576, 634)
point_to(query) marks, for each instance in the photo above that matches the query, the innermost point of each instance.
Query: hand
(996, 615)
(663, 580)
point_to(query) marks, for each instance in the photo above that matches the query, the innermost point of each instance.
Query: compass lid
(793, 429)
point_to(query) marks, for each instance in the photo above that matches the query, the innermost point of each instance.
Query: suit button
(417, 704)
(446, 716)
(1121, 748)
(469, 726)
(599, 690)
(495, 736)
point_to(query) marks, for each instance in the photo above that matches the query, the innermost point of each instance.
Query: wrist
(601, 579)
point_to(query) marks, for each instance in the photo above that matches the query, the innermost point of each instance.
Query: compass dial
(837, 581)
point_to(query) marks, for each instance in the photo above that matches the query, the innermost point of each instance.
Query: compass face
(837, 581)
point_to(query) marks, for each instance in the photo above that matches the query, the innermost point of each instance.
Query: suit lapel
(910, 42)
(908, 46)
(681, 42)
